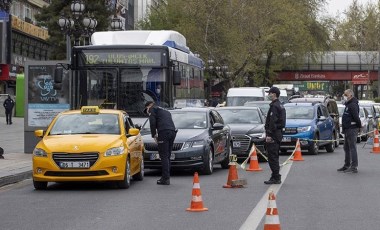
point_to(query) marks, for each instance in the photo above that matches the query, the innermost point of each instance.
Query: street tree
(49, 16)
(254, 38)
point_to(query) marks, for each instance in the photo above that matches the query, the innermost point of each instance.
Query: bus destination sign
(112, 57)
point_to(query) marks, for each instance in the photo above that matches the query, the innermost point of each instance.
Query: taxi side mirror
(133, 132)
(322, 118)
(39, 133)
(217, 126)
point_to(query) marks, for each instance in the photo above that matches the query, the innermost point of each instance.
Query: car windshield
(240, 101)
(240, 116)
(299, 112)
(184, 120)
(263, 106)
(69, 124)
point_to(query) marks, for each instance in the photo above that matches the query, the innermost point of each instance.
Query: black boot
(163, 181)
(273, 180)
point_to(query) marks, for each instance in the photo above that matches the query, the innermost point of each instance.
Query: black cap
(274, 90)
(147, 104)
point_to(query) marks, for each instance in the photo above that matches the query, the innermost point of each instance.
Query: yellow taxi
(90, 144)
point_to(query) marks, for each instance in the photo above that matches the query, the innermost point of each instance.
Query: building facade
(21, 40)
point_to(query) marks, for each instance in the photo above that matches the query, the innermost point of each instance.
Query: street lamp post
(78, 25)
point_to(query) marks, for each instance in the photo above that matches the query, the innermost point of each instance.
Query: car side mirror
(39, 133)
(370, 116)
(218, 126)
(133, 132)
(176, 77)
(322, 118)
(138, 126)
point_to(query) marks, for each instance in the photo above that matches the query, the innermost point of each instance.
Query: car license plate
(156, 156)
(74, 164)
(286, 139)
(236, 144)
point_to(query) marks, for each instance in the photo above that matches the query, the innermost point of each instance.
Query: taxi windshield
(70, 124)
(299, 112)
(240, 116)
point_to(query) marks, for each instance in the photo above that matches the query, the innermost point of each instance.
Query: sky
(333, 6)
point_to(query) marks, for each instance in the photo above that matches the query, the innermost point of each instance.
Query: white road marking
(257, 214)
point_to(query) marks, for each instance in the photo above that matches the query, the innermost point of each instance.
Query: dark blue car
(311, 123)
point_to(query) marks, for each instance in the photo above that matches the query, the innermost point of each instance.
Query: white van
(239, 96)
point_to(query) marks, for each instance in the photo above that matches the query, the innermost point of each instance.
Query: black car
(202, 140)
(247, 127)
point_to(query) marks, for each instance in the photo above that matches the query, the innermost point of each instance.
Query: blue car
(311, 123)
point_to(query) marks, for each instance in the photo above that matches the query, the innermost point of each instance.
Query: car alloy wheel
(127, 177)
(208, 162)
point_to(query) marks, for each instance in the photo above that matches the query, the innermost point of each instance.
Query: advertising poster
(44, 102)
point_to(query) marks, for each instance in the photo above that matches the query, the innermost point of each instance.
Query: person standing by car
(275, 122)
(8, 105)
(351, 124)
(163, 131)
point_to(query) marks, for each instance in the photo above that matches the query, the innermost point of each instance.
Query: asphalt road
(313, 196)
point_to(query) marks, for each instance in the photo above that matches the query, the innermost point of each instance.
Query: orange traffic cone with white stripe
(232, 176)
(297, 154)
(272, 220)
(196, 204)
(376, 145)
(253, 162)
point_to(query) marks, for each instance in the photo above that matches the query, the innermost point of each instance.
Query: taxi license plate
(286, 139)
(156, 156)
(236, 144)
(74, 164)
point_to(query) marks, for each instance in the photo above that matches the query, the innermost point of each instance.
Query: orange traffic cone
(272, 220)
(196, 204)
(297, 154)
(232, 176)
(253, 162)
(376, 146)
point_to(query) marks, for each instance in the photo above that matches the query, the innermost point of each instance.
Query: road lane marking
(257, 214)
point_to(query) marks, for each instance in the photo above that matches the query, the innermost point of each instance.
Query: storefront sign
(360, 79)
(28, 28)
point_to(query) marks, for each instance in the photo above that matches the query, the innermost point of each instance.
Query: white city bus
(124, 69)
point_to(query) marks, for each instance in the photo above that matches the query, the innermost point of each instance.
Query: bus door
(138, 85)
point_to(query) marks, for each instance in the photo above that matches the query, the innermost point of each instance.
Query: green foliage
(377, 99)
(254, 38)
(49, 18)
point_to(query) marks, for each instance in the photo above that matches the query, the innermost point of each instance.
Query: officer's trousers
(165, 146)
(273, 149)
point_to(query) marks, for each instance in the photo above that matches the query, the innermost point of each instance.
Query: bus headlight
(114, 151)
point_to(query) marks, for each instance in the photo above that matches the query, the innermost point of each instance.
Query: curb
(11, 179)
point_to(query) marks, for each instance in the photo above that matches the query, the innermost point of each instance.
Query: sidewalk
(16, 165)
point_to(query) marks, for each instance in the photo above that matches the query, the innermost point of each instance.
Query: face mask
(345, 98)
(270, 97)
(158, 91)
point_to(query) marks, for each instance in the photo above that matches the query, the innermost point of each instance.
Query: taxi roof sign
(89, 110)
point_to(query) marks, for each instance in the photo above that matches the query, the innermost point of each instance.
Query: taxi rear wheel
(124, 184)
(40, 185)
(140, 175)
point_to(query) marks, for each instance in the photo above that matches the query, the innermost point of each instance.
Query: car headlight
(303, 129)
(257, 135)
(39, 152)
(193, 144)
(114, 151)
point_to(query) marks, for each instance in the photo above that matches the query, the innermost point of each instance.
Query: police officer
(163, 131)
(351, 124)
(8, 105)
(275, 122)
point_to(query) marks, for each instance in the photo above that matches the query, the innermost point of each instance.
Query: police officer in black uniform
(275, 122)
(163, 131)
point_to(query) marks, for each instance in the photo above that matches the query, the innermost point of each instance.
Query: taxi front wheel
(40, 185)
(124, 184)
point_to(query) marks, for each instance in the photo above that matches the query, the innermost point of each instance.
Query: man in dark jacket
(275, 122)
(350, 125)
(163, 131)
(8, 105)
